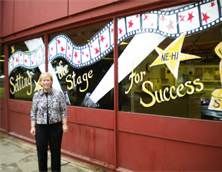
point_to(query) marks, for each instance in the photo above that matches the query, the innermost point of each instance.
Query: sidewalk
(19, 156)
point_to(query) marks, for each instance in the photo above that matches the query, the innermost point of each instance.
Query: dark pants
(49, 135)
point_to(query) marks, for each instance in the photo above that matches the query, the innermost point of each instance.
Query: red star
(102, 38)
(120, 31)
(58, 41)
(205, 17)
(145, 17)
(182, 17)
(212, 4)
(190, 16)
(96, 50)
(75, 54)
(130, 23)
(62, 49)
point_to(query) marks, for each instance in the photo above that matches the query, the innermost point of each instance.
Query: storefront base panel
(3, 121)
(1, 114)
(91, 142)
(91, 135)
(150, 142)
(91, 117)
(142, 153)
(18, 116)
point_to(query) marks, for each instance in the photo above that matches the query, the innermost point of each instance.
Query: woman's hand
(65, 127)
(32, 131)
(64, 124)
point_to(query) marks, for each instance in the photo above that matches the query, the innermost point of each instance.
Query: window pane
(82, 60)
(169, 74)
(26, 62)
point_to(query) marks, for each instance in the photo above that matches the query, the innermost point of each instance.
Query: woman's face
(46, 83)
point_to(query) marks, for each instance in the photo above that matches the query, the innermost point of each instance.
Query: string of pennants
(171, 22)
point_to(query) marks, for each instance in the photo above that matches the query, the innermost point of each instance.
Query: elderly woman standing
(48, 121)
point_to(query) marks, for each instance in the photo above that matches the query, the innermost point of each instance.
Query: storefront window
(26, 62)
(170, 62)
(81, 60)
(1, 71)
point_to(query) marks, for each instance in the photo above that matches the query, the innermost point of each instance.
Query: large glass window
(81, 60)
(1, 71)
(169, 65)
(26, 62)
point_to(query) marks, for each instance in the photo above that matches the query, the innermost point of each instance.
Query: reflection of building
(104, 135)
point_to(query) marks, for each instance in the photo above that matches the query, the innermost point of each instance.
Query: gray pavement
(19, 156)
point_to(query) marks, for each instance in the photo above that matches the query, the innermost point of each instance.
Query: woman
(48, 121)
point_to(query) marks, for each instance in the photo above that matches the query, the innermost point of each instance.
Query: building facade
(142, 79)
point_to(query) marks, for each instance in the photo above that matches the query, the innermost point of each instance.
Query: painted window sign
(171, 65)
(171, 57)
(75, 78)
(25, 65)
(80, 65)
(83, 64)
(164, 59)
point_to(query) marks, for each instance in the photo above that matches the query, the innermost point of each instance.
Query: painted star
(37, 86)
(172, 56)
